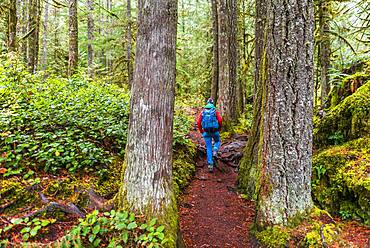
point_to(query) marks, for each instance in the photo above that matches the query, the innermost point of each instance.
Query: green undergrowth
(62, 137)
(108, 229)
(307, 233)
(242, 125)
(340, 179)
(349, 120)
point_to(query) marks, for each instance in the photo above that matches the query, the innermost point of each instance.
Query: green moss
(313, 238)
(340, 181)
(183, 166)
(346, 121)
(273, 237)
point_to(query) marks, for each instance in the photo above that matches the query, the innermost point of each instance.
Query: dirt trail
(212, 214)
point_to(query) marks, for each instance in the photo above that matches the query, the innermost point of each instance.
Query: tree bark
(147, 181)
(73, 38)
(284, 189)
(24, 20)
(215, 65)
(129, 44)
(33, 38)
(227, 97)
(45, 36)
(12, 26)
(324, 49)
(248, 173)
(90, 38)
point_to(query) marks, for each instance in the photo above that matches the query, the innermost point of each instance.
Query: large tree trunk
(147, 183)
(73, 38)
(33, 38)
(12, 25)
(45, 36)
(324, 49)
(129, 44)
(227, 50)
(248, 172)
(284, 183)
(215, 65)
(90, 38)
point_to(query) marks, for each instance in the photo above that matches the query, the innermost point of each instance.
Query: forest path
(212, 214)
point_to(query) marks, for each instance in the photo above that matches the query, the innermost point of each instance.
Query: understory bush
(52, 123)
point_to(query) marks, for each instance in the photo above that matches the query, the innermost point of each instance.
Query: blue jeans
(208, 139)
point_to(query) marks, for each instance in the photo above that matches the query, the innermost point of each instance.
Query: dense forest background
(67, 78)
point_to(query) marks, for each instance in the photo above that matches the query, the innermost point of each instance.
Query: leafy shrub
(54, 123)
(59, 123)
(114, 229)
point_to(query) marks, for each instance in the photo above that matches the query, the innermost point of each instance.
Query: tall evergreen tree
(34, 31)
(73, 38)
(147, 181)
(285, 74)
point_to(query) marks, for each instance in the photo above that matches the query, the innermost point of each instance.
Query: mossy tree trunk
(73, 38)
(12, 25)
(33, 38)
(147, 185)
(284, 138)
(248, 172)
(324, 48)
(227, 54)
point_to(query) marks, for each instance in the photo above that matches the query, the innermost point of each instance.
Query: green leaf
(121, 226)
(160, 236)
(26, 236)
(132, 217)
(96, 242)
(91, 238)
(16, 221)
(125, 237)
(153, 222)
(34, 230)
(143, 226)
(8, 227)
(131, 226)
(25, 230)
(160, 229)
(96, 229)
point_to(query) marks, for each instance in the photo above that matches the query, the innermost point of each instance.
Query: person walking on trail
(209, 124)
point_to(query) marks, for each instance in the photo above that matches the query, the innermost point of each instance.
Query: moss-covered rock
(341, 179)
(346, 121)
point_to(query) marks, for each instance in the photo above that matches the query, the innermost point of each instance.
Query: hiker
(209, 124)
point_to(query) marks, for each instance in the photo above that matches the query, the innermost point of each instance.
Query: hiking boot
(210, 168)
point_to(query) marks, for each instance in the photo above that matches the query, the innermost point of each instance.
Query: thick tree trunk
(45, 36)
(73, 38)
(147, 183)
(227, 60)
(12, 25)
(90, 38)
(215, 66)
(129, 44)
(248, 172)
(324, 49)
(284, 189)
(33, 38)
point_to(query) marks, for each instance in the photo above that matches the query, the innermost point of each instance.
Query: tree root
(69, 208)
